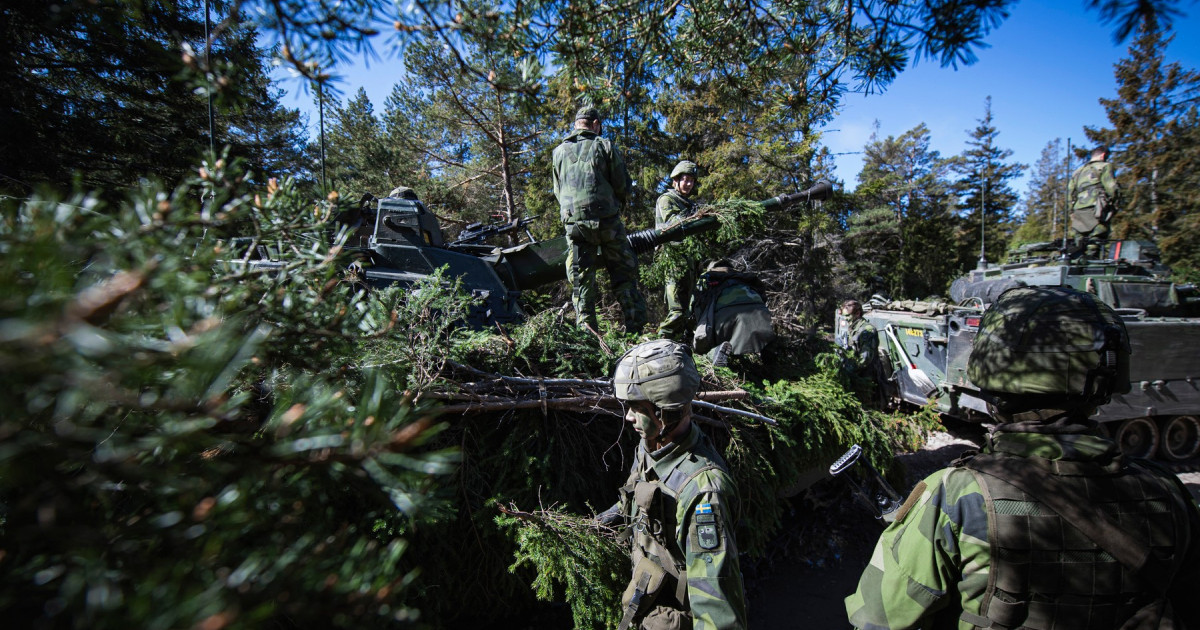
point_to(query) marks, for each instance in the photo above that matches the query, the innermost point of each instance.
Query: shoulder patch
(708, 535)
(912, 499)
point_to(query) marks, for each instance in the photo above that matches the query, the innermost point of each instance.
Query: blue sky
(1046, 68)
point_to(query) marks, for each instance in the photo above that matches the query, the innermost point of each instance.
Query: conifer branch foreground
(560, 393)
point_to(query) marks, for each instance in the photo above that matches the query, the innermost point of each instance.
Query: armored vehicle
(925, 346)
(397, 240)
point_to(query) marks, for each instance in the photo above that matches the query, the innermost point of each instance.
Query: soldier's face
(685, 184)
(644, 418)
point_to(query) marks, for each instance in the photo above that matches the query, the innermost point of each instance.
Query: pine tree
(471, 134)
(1152, 138)
(984, 186)
(903, 193)
(1044, 206)
(359, 159)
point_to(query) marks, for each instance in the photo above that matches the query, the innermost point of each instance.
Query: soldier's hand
(612, 517)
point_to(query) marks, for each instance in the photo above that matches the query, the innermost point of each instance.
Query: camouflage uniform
(731, 308)
(934, 566)
(589, 182)
(1088, 183)
(862, 340)
(1049, 527)
(683, 507)
(668, 210)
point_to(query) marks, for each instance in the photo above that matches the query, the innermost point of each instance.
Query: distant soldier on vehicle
(1093, 196)
(671, 207)
(1050, 526)
(679, 501)
(590, 183)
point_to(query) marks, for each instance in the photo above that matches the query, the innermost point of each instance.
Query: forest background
(189, 443)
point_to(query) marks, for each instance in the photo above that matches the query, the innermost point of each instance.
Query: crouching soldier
(731, 313)
(679, 504)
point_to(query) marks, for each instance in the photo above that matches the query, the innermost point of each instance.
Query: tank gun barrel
(644, 241)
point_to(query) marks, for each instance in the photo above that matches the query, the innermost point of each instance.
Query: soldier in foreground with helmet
(590, 182)
(1049, 526)
(679, 504)
(1093, 195)
(672, 206)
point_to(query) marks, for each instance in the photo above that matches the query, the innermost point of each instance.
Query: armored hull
(925, 346)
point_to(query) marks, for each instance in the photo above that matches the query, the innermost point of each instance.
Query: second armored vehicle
(925, 346)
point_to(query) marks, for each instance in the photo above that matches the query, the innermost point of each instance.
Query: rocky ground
(806, 588)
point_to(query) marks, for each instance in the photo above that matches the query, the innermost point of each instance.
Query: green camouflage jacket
(932, 564)
(862, 340)
(700, 540)
(670, 207)
(1089, 181)
(590, 180)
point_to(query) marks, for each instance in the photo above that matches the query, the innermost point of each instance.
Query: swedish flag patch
(707, 533)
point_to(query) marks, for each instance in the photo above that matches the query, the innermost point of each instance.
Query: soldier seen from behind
(731, 314)
(679, 505)
(590, 183)
(1050, 526)
(672, 206)
(1093, 196)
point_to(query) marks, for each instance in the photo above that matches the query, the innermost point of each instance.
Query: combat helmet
(1049, 347)
(661, 372)
(686, 167)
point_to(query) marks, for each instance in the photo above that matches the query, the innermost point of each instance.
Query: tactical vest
(584, 186)
(659, 565)
(1046, 573)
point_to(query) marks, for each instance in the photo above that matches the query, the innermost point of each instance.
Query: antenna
(1067, 204)
(208, 69)
(983, 226)
(321, 118)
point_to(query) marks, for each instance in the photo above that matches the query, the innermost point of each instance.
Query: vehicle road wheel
(1138, 437)
(1180, 438)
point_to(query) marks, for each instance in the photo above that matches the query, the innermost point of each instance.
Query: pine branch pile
(199, 441)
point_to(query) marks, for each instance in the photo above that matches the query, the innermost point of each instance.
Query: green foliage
(1153, 136)
(738, 220)
(576, 559)
(184, 444)
(986, 201)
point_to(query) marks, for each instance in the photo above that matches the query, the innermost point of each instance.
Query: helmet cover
(661, 372)
(685, 167)
(1055, 341)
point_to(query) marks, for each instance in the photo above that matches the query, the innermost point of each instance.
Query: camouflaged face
(1049, 340)
(661, 372)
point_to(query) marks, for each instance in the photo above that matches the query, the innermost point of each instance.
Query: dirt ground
(810, 594)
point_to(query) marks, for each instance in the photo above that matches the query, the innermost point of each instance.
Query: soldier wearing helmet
(679, 501)
(1093, 195)
(590, 183)
(1049, 526)
(671, 207)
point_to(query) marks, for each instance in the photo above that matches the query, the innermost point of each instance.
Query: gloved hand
(612, 517)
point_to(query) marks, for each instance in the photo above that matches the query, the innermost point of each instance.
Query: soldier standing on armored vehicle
(671, 207)
(1093, 195)
(590, 182)
(1049, 526)
(680, 501)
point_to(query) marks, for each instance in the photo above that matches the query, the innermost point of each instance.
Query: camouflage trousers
(603, 241)
(1088, 231)
(678, 324)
